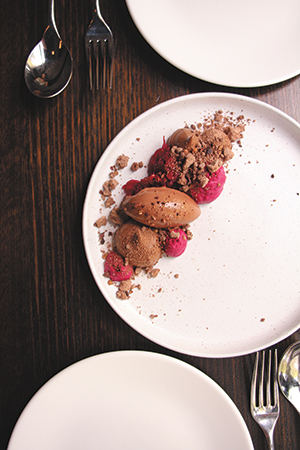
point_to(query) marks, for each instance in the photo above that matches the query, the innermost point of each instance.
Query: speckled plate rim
(244, 313)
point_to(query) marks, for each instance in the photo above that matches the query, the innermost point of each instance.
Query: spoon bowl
(49, 66)
(289, 374)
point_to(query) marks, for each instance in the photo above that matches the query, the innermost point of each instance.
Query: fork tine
(107, 50)
(275, 383)
(254, 382)
(269, 385)
(111, 51)
(97, 63)
(261, 382)
(90, 64)
(272, 387)
(104, 59)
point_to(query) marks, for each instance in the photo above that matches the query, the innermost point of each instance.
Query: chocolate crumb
(122, 161)
(154, 273)
(116, 216)
(121, 295)
(102, 221)
(174, 234)
(125, 285)
(105, 191)
(101, 238)
(109, 202)
(137, 165)
(138, 270)
(112, 184)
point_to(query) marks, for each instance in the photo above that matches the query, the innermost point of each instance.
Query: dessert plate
(236, 289)
(131, 400)
(228, 43)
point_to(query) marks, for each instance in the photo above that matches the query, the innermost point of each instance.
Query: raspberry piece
(212, 190)
(115, 267)
(175, 243)
(132, 187)
(164, 163)
(162, 171)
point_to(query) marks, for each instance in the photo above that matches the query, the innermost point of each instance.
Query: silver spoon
(289, 374)
(49, 66)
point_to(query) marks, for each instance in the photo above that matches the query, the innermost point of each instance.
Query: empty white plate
(232, 43)
(130, 400)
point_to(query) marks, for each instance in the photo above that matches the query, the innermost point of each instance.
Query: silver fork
(264, 388)
(99, 47)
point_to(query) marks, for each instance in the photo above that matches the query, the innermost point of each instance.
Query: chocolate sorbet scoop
(138, 244)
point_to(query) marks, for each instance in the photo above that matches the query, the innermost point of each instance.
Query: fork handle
(97, 9)
(270, 439)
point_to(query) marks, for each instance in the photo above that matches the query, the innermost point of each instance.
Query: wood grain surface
(51, 312)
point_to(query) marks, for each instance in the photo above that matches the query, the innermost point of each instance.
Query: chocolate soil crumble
(154, 216)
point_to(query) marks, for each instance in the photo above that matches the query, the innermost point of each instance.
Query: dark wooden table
(51, 312)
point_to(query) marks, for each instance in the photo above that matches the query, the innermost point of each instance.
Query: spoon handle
(51, 15)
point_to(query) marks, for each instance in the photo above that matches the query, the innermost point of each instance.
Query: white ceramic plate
(231, 43)
(131, 401)
(239, 286)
